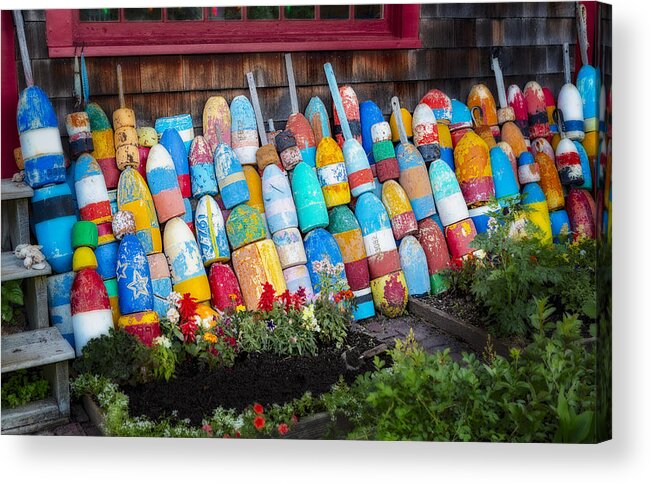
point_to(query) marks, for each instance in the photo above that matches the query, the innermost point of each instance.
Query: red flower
(286, 299)
(258, 422)
(343, 295)
(237, 434)
(189, 330)
(266, 302)
(299, 298)
(226, 436)
(207, 428)
(188, 306)
(258, 409)
(294, 419)
(456, 264)
(283, 428)
(534, 259)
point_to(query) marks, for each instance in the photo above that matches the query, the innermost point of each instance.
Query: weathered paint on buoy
(506, 148)
(244, 133)
(216, 122)
(202, 168)
(528, 169)
(299, 277)
(321, 248)
(254, 265)
(588, 83)
(224, 288)
(482, 97)
(415, 180)
(541, 145)
(582, 213)
(278, 202)
(440, 104)
(450, 204)
(132, 274)
(184, 258)
(40, 141)
(586, 167)
(481, 217)
(188, 215)
(445, 140)
(537, 110)
(459, 236)
(570, 103)
(376, 229)
(147, 139)
(90, 308)
(244, 226)
(289, 245)
(134, 196)
(534, 198)
(80, 138)
(230, 177)
(104, 144)
(369, 114)
(182, 124)
(161, 283)
(384, 155)
(512, 135)
(317, 115)
(473, 169)
(550, 182)
(390, 294)
(92, 196)
(53, 215)
(126, 138)
(396, 202)
(568, 163)
(431, 238)
(346, 231)
(560, 222)
(163, 184)
(461, 121)
(287, 149)
(426, 134)
(365, 306)
(360, 176)
(107, 256)
(331, 172)
(406, 121)
(518, 103)
(172, 142)
(59, 288)
(351, 109)
(211, 232)
(308, 198)
(504, 177)
(143, 325)
(414, 266)
(266, 155)
(302, 131)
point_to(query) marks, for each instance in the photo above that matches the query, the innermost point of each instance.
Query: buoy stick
(557, 115)
(395, 106)
(22, 44)
(256, 108)
(499, 80)
(582, 29)
(78, 93)
(292, 83)
(336, 99)
(120, 86)
(271, 125)
(566, 63)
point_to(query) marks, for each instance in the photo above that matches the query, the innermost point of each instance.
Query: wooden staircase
(41, 346)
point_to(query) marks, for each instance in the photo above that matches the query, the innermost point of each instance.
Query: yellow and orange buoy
(331, 172)
(482, 97)
(550, 182)
(473, 169)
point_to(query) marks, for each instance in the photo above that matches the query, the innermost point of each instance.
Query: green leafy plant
(12, 297)
(22, 387)
(162, 358)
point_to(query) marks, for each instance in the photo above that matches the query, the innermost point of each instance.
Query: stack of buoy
(384, 154)
(104, 144)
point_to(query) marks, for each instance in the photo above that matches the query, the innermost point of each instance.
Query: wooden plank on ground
(30, 417)
(34, 348)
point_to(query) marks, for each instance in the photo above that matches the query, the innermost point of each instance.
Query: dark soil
(263, 378)
(461, 306)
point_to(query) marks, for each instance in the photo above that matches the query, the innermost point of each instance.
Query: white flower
(173, 315)
(206, 323)
(174, 298)
(163, 341)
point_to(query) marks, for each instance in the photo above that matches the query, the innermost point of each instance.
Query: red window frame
(398, 29)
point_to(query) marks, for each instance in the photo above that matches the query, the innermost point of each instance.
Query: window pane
(98, 15)
(365, 12)
(225, 13)
(334, 12)
(262, 13)
(299, 12)
(194, 13)
(143, 14)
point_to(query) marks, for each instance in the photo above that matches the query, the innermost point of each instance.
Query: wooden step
(15, 191)
(34, 348)
(13, 268)
(31, 417)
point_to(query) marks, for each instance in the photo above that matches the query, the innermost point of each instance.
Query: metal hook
(478, 119)
(557, 115)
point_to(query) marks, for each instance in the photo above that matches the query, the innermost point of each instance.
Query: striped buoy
(287, 149)
(143, 325)
(173, 143)
(244, 133)
(90, 308)
(299, 277)
(432, 240)
(586, 167)
(161, 283)
(289, 245)
(278, 202)
(331, 172)
(230, 177)
(181, 123)
(518, 103)
(244, 226)
(369, 114)
(360, 176)
(447, 149)
(255, 264)
(211, 232)
(302, 131)
(40, 141)
(482, 217)
(570, 103)
(537, 110)
(415, 181)
(308, 198)
(92, 196)
(351, 111)
(550, 182)
(134, 196)
(538, 213)
(568, 163)
(473, 169)
(126, 138)
(528, 169)
(224, 288)
(104, 144)
(317, 115)
(135, 292)
(59, 289)
(414, 266)
(426, 134)
(80, 138)
(216, 122)
(401, 215)
(202, 168)
(450, 204)
(384, 154)
(321, 248)
(461, 121)
(459, 235)
(163, 184)
(582, 213)
(440, 104)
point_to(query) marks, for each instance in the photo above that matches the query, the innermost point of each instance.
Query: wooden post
(57, 376)
(395, 106)
(336, 99)
(292, 83)
(256, 108)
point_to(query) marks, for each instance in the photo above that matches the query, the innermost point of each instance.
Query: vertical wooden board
(464, 32)
(63, 106)
(36, 43)
(342, 64)
(54, 76)
(376, 66)
(436, 32)
(101, 76)
(268, 69)
(489, 32)
(199, 72)
(162, 73)
(57, 376)
(36, 303)
(230, 72)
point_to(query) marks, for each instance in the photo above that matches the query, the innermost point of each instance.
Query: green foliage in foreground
(12, 298)
(22, 387)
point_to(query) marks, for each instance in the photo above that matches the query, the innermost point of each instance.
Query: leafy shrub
(22, 387)
(12, 297)
(118, 356)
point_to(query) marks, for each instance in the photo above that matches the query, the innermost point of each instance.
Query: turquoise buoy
(230, 177)
(308, 198)
(414, 265)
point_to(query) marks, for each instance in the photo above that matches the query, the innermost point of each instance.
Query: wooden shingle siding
(455, 54)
